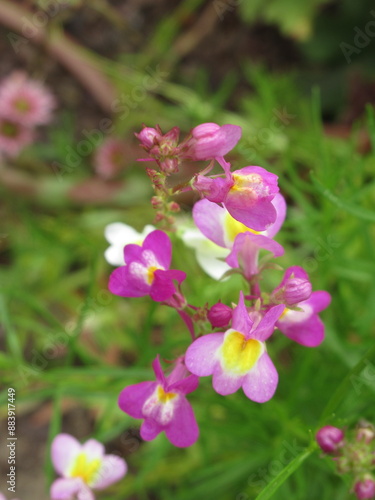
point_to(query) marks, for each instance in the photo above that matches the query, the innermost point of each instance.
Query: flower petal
(120, 234)
(260, 383)
(183, 429)
(162, 287)
(241, 320)
(280, 206)
(125, 284)
(186, 385)
(64, 450)
(200, 358)
(309, 333)
(208, 217)
(93, 449)
(65, 489)
(266, 326)
(225, 383)
(160, 244)
(113, 469)
(133, 397)
(150, 429)
(319, 300)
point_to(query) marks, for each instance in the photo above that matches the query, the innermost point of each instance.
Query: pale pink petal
(85, 493)
(200, 358)
(280, 206)
(93, 449)
(65, 489)
(64, 450)
(133, 397)
(183, 430)
(113, 469)
(260, 383)
(225, 383)
(208, 217)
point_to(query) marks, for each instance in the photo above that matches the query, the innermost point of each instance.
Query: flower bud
(294, 291)
(219, 315)
(147, 137)
(365, 434)
(329, 438)
(365, 489)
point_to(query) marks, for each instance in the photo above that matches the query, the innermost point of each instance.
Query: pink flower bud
(365, 489)
(147, 137)
(219, 315)
(329, 438)
(209, 141)
(297, 290)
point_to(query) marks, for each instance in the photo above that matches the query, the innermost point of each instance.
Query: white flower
(119, 235)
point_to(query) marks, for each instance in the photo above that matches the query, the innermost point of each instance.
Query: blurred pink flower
(25, 101)
(13, 137)
(110, 158)
(82, 467)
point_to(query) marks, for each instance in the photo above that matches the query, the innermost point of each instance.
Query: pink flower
(365, 489)
(147, 270)
(304, 326)
(217, 224)
(238, 357)
(25, 101)
(163, 405)
(110, 158)
(14, 137)
(329, 438)
(82, 467)
(163, 148)
(210, 141)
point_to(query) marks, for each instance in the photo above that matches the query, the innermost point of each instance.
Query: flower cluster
(24, 104)
(353, 453)
(238, 216)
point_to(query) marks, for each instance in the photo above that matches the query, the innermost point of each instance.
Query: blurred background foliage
(277, 69)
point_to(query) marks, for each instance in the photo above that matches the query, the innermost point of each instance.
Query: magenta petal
(160, 244)
(297, 271)
(200, 358)
(150, 429)
(214, 190)
(258, 215)
(158, 370)
(65, 489)
(260, 383)
(208, 217)
(113, 468)
(319, 300)
(133, 397)
(225, 383)
(309, 333)
(64, 450)
(120, 283)
(266, 326)
(241, 320)
(175, 274)
(183, 430)
(186, 385)
(162, 287)
(132, 252)
(232, 136)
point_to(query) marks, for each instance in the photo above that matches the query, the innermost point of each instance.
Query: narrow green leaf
(275, 484)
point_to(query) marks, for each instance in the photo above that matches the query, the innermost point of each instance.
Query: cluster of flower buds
(353, 453)
(24, 104)
(239, 214)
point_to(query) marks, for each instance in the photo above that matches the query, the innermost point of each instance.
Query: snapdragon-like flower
(25, 101)
(238, 357)
(209, 141)
(147, 270)
(118, 235)
(83, 468)
(217, 224)
(163, 405)
(110, 158)
(303, 325)
(365, 489)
